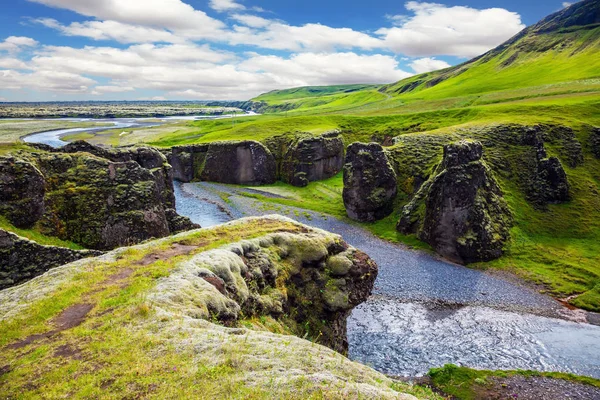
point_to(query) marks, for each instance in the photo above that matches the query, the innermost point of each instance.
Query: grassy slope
(469, 384)
(128, 346)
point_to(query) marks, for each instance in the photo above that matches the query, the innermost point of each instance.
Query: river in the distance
(425, 312)
(54, 138)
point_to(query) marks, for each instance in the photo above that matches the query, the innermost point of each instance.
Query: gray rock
(243, 163)
(460, 210)
(370, 186)
(313, 159)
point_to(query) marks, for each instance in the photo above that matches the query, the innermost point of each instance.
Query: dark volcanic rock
(95, 197)
(370, 186)
(313, 159)
(22, 189)
(551, 184)
(244, 163)
(460, 210)
(595, 142)
(22, 259)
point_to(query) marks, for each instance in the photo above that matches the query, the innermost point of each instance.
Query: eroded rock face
(595, 142)
(100, 199)
(313, 159)
(309, 280)
(243, 163)
(370, 186)
(22, 189)
(460, 210)
(22, 259)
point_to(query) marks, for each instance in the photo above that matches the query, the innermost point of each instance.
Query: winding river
(425, 312)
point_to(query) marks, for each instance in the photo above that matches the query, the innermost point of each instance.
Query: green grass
(12, 131)
(36, 236)
(469, 384)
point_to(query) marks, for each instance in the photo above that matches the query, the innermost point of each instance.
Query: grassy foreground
(113, 327)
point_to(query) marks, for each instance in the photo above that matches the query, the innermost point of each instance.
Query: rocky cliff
(212, 313)
(370, 186)
(460, 210)
(310, 159)
(242, 163)
(100, 199)
(22, 259)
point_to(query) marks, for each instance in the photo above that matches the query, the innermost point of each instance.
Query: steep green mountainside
(561, 48)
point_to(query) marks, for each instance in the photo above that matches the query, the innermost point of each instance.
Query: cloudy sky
(237, 49)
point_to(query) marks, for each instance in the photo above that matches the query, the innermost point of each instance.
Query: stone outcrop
(594, 142)
(243, 319)
(313, 159)
(22, 190)
(22, 259)
(243, 163)
(370, 186)
(549, 183)
(460, 210)
(98, 198)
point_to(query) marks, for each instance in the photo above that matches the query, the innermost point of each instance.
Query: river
(425, 312)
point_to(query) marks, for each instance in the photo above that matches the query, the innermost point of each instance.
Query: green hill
(561, 48)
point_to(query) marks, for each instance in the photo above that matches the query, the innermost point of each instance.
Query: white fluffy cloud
(45, 81)
(165, 14)
(225, 5)
(17, 43)
(567, 4)
(327, 69)
(310, 37)
(112, 30)
(194, 72)
(428, 64)
(436, 29)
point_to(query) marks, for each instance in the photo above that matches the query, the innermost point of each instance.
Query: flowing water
(425, 312)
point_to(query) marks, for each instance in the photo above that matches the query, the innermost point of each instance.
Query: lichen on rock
(310, 281)
(460, 210)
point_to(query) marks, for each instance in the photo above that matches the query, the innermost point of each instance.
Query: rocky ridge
(98, 198)
(186, 306)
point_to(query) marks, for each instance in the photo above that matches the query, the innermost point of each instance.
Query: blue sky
(236, 49)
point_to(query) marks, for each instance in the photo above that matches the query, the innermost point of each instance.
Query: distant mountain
(562, 47)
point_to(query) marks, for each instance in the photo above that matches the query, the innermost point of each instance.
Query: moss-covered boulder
(98, 198)
(310, 159)
(243, 163)
(370, 186)
(460, 210)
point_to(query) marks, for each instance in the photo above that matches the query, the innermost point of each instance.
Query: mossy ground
(468, 384)
(127, 346)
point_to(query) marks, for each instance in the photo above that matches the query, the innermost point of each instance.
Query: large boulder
(22, 259)
(22, 189)
(460, 210)
(243, 163)
(370, 186)
(313, 159)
